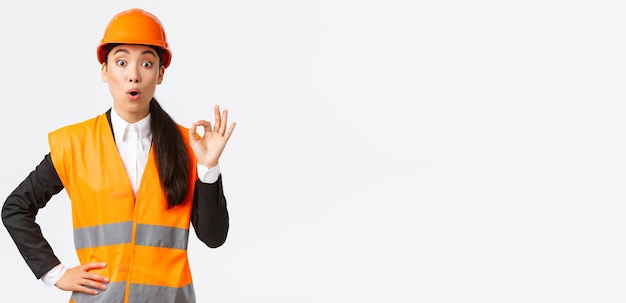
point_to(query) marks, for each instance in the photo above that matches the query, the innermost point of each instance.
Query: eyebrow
(149, 52)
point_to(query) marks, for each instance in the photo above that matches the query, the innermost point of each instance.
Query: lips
(133, 93)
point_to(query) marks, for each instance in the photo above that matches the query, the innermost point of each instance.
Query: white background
(386, 151)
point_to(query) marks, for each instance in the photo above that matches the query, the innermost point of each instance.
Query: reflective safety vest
(143, 243)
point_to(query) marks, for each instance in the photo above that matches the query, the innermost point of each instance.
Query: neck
(131, 117)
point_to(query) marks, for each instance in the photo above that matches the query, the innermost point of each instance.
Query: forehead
(133, 49)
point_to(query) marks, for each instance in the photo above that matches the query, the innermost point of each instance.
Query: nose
(133, 75)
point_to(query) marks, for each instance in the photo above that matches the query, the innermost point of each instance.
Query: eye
(146, 64)
(121, 62)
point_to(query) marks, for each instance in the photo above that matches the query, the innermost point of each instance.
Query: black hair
(172, 157)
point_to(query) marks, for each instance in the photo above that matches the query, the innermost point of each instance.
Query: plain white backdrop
(386, 151)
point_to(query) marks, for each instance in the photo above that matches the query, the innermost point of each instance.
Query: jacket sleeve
(19, 211)
(209, 215)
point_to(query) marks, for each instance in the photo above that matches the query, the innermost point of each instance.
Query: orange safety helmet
(135, 26)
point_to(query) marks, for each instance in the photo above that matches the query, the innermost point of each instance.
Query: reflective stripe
(100, 235)
(139, 293)
(113, 294)
(119, 233)
(162, 236)
(142, 293)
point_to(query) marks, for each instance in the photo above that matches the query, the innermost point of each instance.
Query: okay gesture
(208, 147)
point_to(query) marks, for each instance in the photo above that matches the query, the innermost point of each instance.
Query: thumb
(193, 135)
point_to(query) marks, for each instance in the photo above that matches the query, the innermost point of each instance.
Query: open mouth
(133, 93)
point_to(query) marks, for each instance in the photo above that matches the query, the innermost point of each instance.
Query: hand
(209, 147)
(77, 278)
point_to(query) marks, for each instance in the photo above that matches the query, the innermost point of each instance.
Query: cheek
(152, 77)
(115, 76)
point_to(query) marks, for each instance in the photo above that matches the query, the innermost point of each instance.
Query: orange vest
(143, 243)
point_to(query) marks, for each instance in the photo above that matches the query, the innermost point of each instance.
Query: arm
(18, 215)
(209, 213)
(19, 212)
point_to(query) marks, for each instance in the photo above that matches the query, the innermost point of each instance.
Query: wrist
(208, 164)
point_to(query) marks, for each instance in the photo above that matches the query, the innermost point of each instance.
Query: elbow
(214, 244)
(13, 214)
(215, 239)
(5, 213)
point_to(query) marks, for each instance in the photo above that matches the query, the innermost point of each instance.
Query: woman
(136, 180)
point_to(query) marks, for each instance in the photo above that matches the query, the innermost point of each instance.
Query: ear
(161, 72)
(105, 73)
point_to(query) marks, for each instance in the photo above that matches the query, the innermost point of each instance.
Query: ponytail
(172, 158)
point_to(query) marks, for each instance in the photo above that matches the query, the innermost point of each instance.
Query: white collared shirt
(133, 141)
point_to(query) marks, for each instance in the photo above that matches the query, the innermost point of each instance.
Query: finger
(218, 119)
(88, 276)
(86, 290)
(93, 284)
(94, 265)
(230, 130)
(89, 287)
(224, 122)
(206, 125)
(94, 277)
(193, 135)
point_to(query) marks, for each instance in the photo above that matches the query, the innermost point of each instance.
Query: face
(132, 72)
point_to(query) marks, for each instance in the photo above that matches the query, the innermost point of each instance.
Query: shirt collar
(120, 127)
